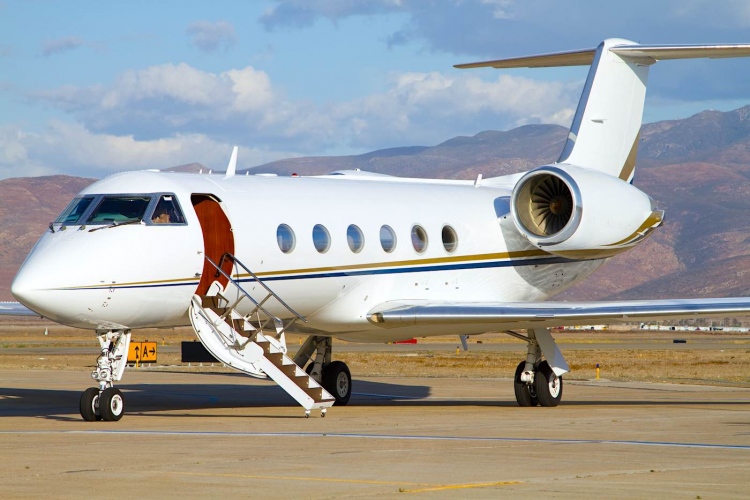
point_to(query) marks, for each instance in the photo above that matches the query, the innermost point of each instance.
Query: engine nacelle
(581, 213)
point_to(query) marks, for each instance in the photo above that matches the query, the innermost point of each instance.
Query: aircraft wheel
(525, 393)
(89, 405)
(549, 387)
(111, 404)
(338, 381)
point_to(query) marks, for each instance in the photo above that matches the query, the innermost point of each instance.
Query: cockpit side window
(75, 210)
(167, 211)
(119, 209)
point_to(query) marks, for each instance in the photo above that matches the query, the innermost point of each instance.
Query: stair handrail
(259, 306)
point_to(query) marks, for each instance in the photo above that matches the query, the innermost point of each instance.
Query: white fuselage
(144, 275)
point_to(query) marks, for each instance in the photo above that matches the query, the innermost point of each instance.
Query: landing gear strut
(334, 376)
(535, 381)
(105, 402)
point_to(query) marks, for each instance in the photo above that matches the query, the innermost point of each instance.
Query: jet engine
(577, 212)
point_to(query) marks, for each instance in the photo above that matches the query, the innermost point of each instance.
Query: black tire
(89, 405)
(338, 381)
(525, 395)
(111, 404)
(549, 387)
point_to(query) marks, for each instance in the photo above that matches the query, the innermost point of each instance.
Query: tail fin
(604, 133)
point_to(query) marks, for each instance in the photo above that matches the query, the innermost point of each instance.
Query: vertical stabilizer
(604, 133)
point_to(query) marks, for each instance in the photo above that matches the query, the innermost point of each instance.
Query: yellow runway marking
(295, 478)
(402, 484)
(460, 486)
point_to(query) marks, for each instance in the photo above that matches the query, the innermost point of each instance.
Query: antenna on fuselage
(232, 166)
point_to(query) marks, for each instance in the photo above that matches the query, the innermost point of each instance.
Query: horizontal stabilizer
(664, 52)
(570, 58)
(648, 53)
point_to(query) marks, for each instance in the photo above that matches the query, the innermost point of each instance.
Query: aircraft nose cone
(26, 288)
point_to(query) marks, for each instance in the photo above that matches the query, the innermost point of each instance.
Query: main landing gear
(105, 402)
(535, 381)
(334, 376)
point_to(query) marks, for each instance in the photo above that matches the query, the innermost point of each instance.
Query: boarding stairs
(244, 342)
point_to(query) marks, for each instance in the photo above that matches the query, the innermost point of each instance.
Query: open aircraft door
(217, 239)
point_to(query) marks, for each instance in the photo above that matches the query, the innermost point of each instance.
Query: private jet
(245, 259)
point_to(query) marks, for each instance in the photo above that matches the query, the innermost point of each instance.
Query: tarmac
(218, 434)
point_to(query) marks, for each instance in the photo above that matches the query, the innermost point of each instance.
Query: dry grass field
(713, 358)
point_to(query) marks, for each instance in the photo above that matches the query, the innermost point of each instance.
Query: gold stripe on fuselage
(405, 263)
(353, 267)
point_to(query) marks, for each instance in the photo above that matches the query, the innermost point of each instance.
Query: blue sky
(92, 87)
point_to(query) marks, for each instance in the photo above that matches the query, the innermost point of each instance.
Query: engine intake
(547, 205)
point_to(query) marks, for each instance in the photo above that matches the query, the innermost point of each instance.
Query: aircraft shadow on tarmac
(148, 398)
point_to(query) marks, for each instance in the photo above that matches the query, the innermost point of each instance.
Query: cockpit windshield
(119, 209)
(75, 210)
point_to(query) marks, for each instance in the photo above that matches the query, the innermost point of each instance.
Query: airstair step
(277, 358)
(260, 357)
(316, 393)
(291, 371)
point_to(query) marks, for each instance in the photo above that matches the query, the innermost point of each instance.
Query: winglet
(232, 166)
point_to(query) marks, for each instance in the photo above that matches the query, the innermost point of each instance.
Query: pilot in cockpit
(167, 211)
(161, 216)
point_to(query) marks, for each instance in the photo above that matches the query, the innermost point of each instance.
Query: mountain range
(697, 169)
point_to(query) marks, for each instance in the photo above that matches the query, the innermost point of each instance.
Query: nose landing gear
(105, 402)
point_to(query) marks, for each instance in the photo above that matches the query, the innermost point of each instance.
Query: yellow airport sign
(142, 352)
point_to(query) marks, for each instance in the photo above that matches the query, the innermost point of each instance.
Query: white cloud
(170, 114)
(15, 160)
(172, 81)
(164, 99)
(72, 149)
(428, 108)
(251, 89)
(242, 103)
(210, 37)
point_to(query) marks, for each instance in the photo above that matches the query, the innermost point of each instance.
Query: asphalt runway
(218, 434)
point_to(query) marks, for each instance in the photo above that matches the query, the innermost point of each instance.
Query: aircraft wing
(512, 315)
(15, 309)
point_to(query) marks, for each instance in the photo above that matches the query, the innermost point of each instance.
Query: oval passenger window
(450, 239)
(419, 238)
(285, 238)
(387, 238)
(354, 238)
(321, 238)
